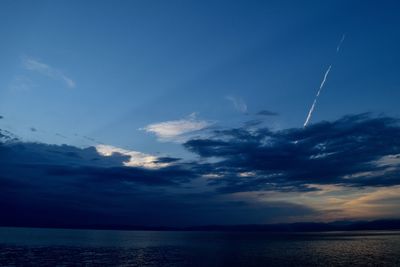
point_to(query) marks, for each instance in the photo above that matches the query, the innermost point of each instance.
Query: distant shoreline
(378, 225)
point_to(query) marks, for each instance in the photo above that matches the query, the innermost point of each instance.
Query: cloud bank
(330, 169)
(65, 185)
(345, 152)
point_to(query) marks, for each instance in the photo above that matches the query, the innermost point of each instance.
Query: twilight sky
(192, 112)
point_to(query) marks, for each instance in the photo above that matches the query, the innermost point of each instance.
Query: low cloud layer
(243, 175)
(346, 152)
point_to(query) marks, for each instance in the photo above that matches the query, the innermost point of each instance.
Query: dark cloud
(33, 129)
(44, 184)
(159, 177)
(267, 113)
(338, 152)
(25, 153)
(42, 160)
(166, 160)
(1, 117)
(41, 182)
(60, 183)
(6, 136)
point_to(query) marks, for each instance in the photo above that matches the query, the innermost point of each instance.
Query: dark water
(56, 247)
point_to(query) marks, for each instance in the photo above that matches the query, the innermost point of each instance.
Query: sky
(182, 113)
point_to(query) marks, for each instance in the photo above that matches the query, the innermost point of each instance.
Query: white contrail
(324, 80)
(321, 86)
(316, 97)
(310, 112)
(340, 43)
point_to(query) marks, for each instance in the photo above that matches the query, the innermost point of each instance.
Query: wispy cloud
(135, 158)
(238, 103)
(47, 70)
(177, 130)
(21, 83)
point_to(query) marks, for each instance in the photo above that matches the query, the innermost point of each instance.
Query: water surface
(62, 247)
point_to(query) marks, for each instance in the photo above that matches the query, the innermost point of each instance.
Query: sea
(66, 247)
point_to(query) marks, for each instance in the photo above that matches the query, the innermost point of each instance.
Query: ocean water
(61, 247)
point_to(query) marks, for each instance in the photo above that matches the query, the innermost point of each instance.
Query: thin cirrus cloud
(47, 70)
(238, 103)
(177, 130)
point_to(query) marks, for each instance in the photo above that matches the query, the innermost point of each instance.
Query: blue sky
(136, 63)
(148, 76)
